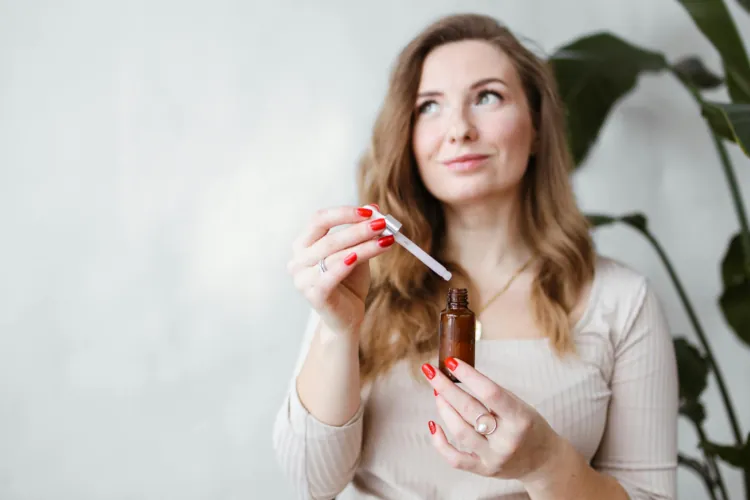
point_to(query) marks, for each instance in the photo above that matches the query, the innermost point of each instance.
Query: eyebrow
(478, 83)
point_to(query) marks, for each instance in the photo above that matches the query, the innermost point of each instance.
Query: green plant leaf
(692, 368)
(597, 220)
(692, 71)
(593, 73)
(731, 121)
(732, 265)
(637, 220)
(735, 455)
(692, 372)
(713, 19)
(735, 304)
(694, 411)
(735, 300)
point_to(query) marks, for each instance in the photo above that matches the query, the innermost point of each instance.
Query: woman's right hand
(338, 295)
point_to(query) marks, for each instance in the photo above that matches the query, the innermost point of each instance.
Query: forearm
(567, 476)
(328, 383)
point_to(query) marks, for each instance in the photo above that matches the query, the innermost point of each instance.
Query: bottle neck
(458, 298)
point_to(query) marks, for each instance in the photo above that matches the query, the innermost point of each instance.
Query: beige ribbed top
(616, 402)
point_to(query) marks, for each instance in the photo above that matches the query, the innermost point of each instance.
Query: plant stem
(698, 330)
(713, 466)
(726, 164)
(736, 199)
(703, 340)
(699, 469)
(739, 208)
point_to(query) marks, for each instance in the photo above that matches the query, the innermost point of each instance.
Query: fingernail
(386, 241)
(350, 259)
(377, 225)
(364, 212)
(376, 206)
(435, 391)
(431, 425)
(451, 363)
(428, 371)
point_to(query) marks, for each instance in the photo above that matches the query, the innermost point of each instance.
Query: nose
(461, 128)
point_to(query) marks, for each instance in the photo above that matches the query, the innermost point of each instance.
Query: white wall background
(156, 161)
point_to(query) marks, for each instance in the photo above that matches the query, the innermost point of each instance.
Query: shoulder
(616, 283)
(619, 295)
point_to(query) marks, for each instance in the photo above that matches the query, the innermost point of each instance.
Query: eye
(427, 107)
(488, 97)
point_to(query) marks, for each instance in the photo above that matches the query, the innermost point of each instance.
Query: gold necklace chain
(478, 325)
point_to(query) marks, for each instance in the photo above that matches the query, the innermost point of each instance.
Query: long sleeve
(639, 446)
(318, 459)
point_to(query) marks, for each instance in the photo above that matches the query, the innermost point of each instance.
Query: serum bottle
(456, 331)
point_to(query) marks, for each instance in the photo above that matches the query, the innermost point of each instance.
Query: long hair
(405, 298)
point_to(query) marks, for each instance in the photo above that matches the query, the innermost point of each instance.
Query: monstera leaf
(593, 73)
(714, 20)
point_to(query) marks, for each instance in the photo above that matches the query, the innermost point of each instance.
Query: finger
(338, 241)
(468, 407)
(323, 220)
(339, 266)
(494, 397)
(310, 276)
(460, 429)
(456, 458)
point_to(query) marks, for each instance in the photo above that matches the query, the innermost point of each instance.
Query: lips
(466, 162)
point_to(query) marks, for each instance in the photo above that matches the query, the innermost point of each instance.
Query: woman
(575, 363)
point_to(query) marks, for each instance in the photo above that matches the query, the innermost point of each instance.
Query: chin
(470, 191)
(458, 194)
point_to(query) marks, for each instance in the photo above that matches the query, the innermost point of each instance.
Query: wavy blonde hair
(405, 297)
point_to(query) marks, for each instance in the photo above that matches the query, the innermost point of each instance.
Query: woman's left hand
(515, 441)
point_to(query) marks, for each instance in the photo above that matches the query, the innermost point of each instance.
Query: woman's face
(473, 132)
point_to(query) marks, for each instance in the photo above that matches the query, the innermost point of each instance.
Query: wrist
(562, 465)
(349, 335)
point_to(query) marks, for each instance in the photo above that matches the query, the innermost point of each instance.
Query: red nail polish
(428, 371)
(451, 363)
(377, 225)
(364, 212)
(435, 391)
(386, 241)
(350, 259)
(431, 425)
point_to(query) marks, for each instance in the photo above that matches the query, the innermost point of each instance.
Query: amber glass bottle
(456, 330)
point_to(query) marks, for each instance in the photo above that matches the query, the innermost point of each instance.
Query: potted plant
(596, 71)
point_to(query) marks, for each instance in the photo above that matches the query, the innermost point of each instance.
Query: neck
(484, 238)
